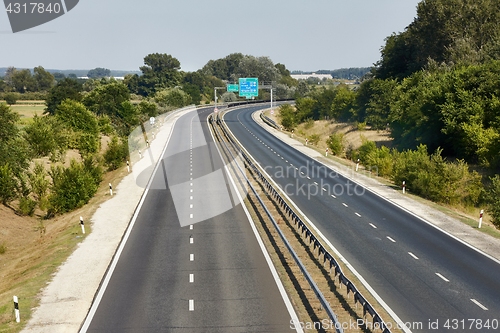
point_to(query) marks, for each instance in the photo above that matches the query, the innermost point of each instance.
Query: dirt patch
(353, 137)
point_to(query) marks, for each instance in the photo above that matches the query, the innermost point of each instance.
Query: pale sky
(117, 34)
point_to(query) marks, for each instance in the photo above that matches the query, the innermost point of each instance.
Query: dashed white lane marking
(442, 277)
(190, 216)
(479, 304)
(191, 198)
(191, 191)
(413, 256)
(357, 215)
(345, 204)
(392, 240)
(191, 227)
(333, 196)
(191, 305)
(190, 205)
(324, 189)
(373, 225)
(191, 240)
(191, 257)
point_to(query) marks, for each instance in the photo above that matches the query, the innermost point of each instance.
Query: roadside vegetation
(436, 91)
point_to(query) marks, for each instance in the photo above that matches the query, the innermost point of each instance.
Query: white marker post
(83, 226)
(357, 165)
(16, 309)
(140, 155)
(110, 189)
(292, 133)
(404, 187)
(147, 143)
(481, 218)
(128, 166)
(306, 141)
(326, 152)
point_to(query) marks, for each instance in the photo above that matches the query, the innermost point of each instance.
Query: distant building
(314, 75)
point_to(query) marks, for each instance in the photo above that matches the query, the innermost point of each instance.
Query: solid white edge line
(116, 257)
(339, 255)
(390, 201)
(479, 304)
(274, 272)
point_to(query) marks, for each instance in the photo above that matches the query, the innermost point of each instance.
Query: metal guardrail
(309, 235)
(309, 279)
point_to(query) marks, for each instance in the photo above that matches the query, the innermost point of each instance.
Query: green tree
(336, 144)
(23, 81)
(493, 200)
(43, 79)
(159, 71)
(98, 72)
(11, 98)
(173, 97)
(106, 99)
(46, 136)
(64, 89)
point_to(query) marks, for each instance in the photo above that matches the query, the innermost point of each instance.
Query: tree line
(435, 86)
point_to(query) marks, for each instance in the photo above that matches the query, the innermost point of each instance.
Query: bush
(336, 143)
(74, 186)
(493, 200)
(27, 206)
(314, 139)
(365, 149)
(116, 153)
(11, 98)
(8, 184)
(380, 160)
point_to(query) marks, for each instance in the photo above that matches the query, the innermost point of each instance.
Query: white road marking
(191, 257)
(191, 191)
(191, 206)
(191, 227)
(191, 198)
(324, 189)
(373, 225)
(345, 204)
(191, 305)
(392, 240)
(333, 196)
(191, 240)
(442, 277)
(479, 304)
(357, 215)
(414, 256)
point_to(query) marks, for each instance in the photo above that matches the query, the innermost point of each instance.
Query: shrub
(336, 143)
(365, 149)
(380, 160)
(3, 248)
(11, 98)
(74, 186)
(8, 184)
(116, 153)
(314, 139)
(27, 206)
(493, 200)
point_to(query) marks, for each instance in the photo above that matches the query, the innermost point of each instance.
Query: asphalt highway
(431, 281)
(192, 262)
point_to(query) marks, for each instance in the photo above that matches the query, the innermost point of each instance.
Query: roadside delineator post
(292, 133)
(128, 166)
(357, 165)
(404, 187)
(16, 309)
(326, 152)
(306, 141)
(110, 189)
(82, 225)
(481, 218)
(140, 154)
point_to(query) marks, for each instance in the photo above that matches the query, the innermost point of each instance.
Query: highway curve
(431, 281)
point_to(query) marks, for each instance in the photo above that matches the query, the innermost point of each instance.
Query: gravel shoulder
(487, 244)
(67, 299)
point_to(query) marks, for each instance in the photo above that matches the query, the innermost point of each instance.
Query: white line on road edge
(340, 256)
(284, 295)
(442, 277)
(118, 253)
(414, 256)
(479, 304)
(191, 305)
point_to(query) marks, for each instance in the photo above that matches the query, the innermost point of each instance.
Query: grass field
(27, 110)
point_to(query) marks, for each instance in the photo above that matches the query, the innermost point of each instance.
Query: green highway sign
(249, 87)
(233, 88)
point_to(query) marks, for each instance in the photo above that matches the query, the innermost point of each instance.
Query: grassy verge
(35, 249)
